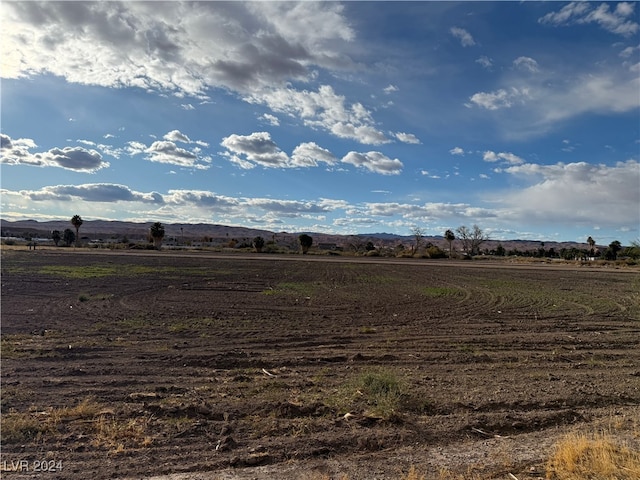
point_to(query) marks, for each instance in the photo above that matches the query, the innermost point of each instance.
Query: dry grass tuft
(593, 457)
(117, 435)
(86, 418)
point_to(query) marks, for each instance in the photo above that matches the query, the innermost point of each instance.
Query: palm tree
(157, 234)
(56, 236)
(449, 237)
(258, 243)
(305, 242)
(76, 221)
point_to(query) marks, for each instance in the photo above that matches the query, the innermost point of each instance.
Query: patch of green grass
(85, 297)
(377, 279)
(21, 345)
(197, 325)
(377, 393)
(85, 271)
(368, 330)
(134, 323)
(292, 288)
(129, 270)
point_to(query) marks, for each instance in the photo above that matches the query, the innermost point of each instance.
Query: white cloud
(91, 192)
(466, 40)
(187, 106)
(575, 193)
(17, 152)
(169, 45)
(166, 151)
(256, 148)
(324, 109)
(501, 98)
(526, 63)
(390, 89)
(628, 51)
(407, 137)
(257, 50)
(485, 61)
(177, 136)
(270, 119)
(620, 21)
(490, 156)
(456, 151)
(426, 173)
(309, 154)
(169, 152)
(374, 162)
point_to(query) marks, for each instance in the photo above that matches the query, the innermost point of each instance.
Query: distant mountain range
(110, 230)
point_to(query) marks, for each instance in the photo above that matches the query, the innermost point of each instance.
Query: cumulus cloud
(258, 49)
(466, 40)
(17, 152)
(407, 137)
(309, 155)
(324, 109)
(256, 148)
(91, 192)
(502, 98)
(390, 89)
(374, 162)
(169, 46)
(167, 151)
(619, 21)
(456, 151)
(490, 156)
(576, 193)
(485, 61)
(428, 211)
(526, 63)
(270, 119)
(177, 136)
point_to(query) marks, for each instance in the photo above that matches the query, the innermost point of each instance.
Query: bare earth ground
(198, 366)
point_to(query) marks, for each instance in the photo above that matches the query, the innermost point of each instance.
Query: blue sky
(355, 117)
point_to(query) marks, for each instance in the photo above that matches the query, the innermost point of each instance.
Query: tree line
(470, 238)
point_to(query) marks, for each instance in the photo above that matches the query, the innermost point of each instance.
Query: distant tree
(471, 239)
(500, 251)
(633, 250)
(258, 244)
(464, 235)
(449, 236)
(433, 251)
(56, 237)
(591, 243)
(76, 221)
(68, 237)
(418, 234)
(541, 250)
(369, 246)
(612, 251)
(157, 234)
(305, 242)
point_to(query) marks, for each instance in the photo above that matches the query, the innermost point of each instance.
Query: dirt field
(122, 365)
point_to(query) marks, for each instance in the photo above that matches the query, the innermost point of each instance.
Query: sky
(355, 117)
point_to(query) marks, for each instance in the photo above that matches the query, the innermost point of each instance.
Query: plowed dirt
(131, 365)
